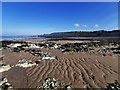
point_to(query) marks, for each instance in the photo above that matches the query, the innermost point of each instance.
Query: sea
(17, 37)
(33, 37)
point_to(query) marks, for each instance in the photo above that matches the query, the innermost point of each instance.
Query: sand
(75, 69)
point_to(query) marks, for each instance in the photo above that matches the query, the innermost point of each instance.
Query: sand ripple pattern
(79, 70)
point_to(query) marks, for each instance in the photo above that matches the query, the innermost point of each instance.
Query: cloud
(96, 25)
(77, 25)
(84, 25)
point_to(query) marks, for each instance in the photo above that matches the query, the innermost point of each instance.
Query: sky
(33, 18)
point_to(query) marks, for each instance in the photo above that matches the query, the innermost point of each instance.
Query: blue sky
(25, 18)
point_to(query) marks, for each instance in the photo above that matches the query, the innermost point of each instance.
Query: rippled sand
(76, 69)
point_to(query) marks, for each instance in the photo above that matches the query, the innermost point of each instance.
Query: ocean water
(15, 37)
(30, 37)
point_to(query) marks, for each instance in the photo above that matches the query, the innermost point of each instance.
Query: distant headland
(100, 33)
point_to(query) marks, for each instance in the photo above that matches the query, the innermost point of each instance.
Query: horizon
(26, 18)
(56, 32)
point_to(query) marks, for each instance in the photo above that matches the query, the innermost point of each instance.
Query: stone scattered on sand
(4, 67)
(67, 87)
(4, 85)
(49, 84)
(14, 45)
(48, 57)
(52, 84)
(37, 61)
(1, 48)
(43, 55)
(32, 46)
(25, 63)
(113, 86)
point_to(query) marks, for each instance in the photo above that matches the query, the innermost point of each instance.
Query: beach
(60, 45)
(77, 69)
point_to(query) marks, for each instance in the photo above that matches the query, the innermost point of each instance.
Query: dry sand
(75, 69)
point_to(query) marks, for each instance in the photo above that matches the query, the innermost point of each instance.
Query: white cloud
(84, 25)
(96, 25)
(77, 25)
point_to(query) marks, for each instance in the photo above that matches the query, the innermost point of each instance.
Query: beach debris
(48, 57)
(75, 47)
(67, 87)
(113, 86)
(116, 50)
(52, 84)
(4, 67)
(35, 52)
(31, 46)
(39, 53)
(4, 85)
(56, 46)
(103, 45)
(37, 61)
(1, 48)
(25, 63)
(14, 45)
(50, 45)
(96, 47)
(49, 84)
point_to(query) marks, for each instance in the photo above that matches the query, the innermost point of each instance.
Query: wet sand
(75, 69)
